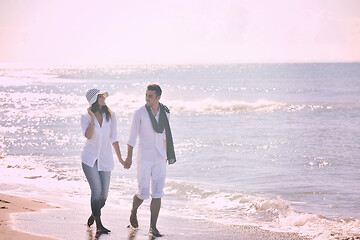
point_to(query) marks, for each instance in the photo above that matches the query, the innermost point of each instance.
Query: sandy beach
(57, 223)
(11, 204)
(264, 112)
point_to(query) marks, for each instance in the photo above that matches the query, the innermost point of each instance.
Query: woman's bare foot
(155, 232)
(102, 230)
(90, 221)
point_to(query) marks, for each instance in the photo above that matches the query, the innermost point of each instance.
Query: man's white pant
(153, 171)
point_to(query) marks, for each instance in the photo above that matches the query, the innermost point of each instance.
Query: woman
(99, 128)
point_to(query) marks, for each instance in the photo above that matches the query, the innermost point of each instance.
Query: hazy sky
(179, 31)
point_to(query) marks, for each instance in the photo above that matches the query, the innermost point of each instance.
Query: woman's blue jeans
(99, 182)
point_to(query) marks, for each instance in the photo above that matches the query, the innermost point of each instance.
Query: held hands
(122, 162)
(128, 162)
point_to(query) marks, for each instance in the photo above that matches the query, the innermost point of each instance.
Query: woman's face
(101, 100)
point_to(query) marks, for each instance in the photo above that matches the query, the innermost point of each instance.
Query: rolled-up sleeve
(84, 123)
(134, 129)
(113, 130)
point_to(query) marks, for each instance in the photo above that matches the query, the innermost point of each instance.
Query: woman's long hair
(95, 107)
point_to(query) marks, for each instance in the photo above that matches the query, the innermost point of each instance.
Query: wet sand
(10, 205)
(69, 223)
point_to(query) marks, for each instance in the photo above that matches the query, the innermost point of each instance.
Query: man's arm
(134, 132)
(128, 161)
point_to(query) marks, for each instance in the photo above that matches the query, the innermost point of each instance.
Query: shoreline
(9, 205)
(69, 223)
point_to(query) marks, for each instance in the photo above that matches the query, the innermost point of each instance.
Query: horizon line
(54, 64)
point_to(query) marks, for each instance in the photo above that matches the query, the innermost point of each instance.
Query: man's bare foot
(155, 232)
(133, 220)
(90, 221)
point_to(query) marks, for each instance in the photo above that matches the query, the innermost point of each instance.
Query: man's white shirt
(151, 144)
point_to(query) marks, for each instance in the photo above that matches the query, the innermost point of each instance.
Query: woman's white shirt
(99, 146)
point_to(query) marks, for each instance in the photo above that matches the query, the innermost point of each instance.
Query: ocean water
(270, 145)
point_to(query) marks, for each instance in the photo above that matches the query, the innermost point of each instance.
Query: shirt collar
(156, 112)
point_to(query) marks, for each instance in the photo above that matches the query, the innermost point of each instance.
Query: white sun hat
(91, 95)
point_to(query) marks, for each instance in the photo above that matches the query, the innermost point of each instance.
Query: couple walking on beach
(151, 124)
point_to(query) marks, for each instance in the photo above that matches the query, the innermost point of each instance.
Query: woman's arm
(118, 152)
(114, 138)
(90, 129)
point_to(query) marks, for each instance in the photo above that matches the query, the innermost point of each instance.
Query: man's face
(151, 99)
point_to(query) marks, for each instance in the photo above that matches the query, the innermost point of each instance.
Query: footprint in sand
(31, 210)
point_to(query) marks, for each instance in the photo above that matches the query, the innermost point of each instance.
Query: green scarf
(159, 128)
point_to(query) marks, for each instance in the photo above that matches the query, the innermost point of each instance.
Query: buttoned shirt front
(99, 146)
(151, 144)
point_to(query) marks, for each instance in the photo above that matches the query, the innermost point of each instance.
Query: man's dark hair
(156, 88)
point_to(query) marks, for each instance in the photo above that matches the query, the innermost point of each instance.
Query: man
(151, 124)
